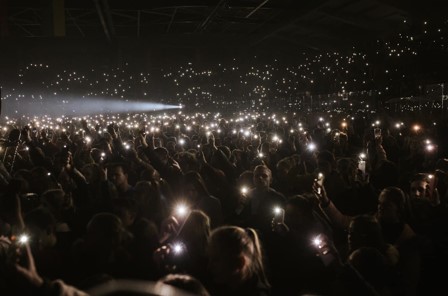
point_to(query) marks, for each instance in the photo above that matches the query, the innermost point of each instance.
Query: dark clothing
(211, 206)
(252, 287)
(258, 211)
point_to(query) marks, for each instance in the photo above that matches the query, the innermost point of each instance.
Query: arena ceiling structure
(273, 24)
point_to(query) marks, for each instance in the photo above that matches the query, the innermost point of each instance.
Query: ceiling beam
(287, 19)
(210, 17)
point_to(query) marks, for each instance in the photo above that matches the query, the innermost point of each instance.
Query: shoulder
(277, 195)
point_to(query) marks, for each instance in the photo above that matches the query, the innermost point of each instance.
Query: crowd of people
(207, 205)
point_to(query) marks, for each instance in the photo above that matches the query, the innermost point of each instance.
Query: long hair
(196, 230)
(235, 241)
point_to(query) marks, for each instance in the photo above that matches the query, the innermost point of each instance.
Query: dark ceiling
(302, 24)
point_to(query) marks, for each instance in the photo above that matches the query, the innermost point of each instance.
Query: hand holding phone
(326, 250)
(279, 215)
(433, 194)
(278, 222)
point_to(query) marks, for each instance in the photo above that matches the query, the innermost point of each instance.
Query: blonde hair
(235, 241)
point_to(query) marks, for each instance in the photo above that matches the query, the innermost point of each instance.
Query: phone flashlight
(178, 248)
(23, 239)
(244, 190)
(181, 210)
(277, 210)
(320, 179)
(317, 241)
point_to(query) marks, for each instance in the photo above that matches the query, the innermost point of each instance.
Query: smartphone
(433, 180)
(15, 250)
(178, 248)
(362, 166)
(323, 248)
(176, 256)
(279, 215)
(320, 179)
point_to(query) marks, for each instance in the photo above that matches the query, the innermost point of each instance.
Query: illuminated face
(262, 177)
(418, 189)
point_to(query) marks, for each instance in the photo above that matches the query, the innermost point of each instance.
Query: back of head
(396, 196)
(54, 199)
(420, 177)
(195, 232)
(385, 175)
(392, 206)
(184, 282)
(161, 152)
(371, 264)
(240, 249)
(365, 231)
(41, 224)
(246, 178)
(195, 179)
(326, 162)
(105, 229)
